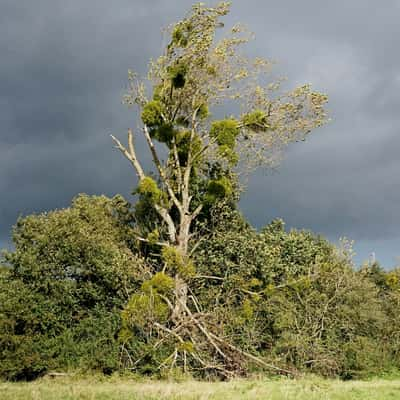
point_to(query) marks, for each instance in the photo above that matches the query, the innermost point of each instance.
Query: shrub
(70, 274)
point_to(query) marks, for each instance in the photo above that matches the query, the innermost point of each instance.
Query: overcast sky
(63, 71)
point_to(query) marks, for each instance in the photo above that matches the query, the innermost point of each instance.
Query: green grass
(123, 389)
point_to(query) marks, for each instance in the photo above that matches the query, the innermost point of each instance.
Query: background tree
(197, 77)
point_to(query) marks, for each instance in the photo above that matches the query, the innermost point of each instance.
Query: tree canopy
(200, 75)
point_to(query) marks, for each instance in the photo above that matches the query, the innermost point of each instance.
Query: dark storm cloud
(62, 75)
(63, 71)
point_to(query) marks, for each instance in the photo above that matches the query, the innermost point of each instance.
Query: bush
(70, 274)
(297, 300)
(75, 294)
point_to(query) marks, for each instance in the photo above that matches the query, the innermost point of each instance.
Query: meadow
(100, 388)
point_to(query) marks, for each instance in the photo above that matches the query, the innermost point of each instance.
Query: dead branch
(251, 356)
(218, 278)
(141, 239)
(131, 154)
(205, 332)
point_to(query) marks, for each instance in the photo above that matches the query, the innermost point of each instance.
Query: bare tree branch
(141, 239)
(196, 212)
(131, 154)
(177, 164)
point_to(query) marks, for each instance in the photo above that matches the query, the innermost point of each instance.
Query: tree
(70, 274)
(197, 77)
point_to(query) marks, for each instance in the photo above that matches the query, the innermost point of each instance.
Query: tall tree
(202, 74)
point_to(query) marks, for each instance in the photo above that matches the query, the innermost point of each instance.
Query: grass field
(125, 389)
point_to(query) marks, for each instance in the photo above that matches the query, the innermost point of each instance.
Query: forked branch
(130, 154)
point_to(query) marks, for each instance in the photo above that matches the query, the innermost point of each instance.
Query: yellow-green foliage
(186, 346)
(229, 154)
(247, 309)
(147, 306)
(172, 256)
(392, 280)
(160, 282)
(152, 117)
(269, 289)
(153, 236)
(220, 188)
(254, 283)
(178, 36)
(175, 261)
(142, 309)
(256, 121)
(183, 138)
(158, 92)
(203, 111)
(152, 114)
(225, 132)
(148, 187)
(180, 33)
(184, 145)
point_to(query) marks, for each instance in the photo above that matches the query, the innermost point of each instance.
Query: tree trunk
(181, 286)
(184, 234)
(181, 290)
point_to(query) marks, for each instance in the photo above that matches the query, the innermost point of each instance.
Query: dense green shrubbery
(298, 301)
(60, 301)
(289, 296)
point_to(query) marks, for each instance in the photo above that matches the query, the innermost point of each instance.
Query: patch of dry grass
(125, 389)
